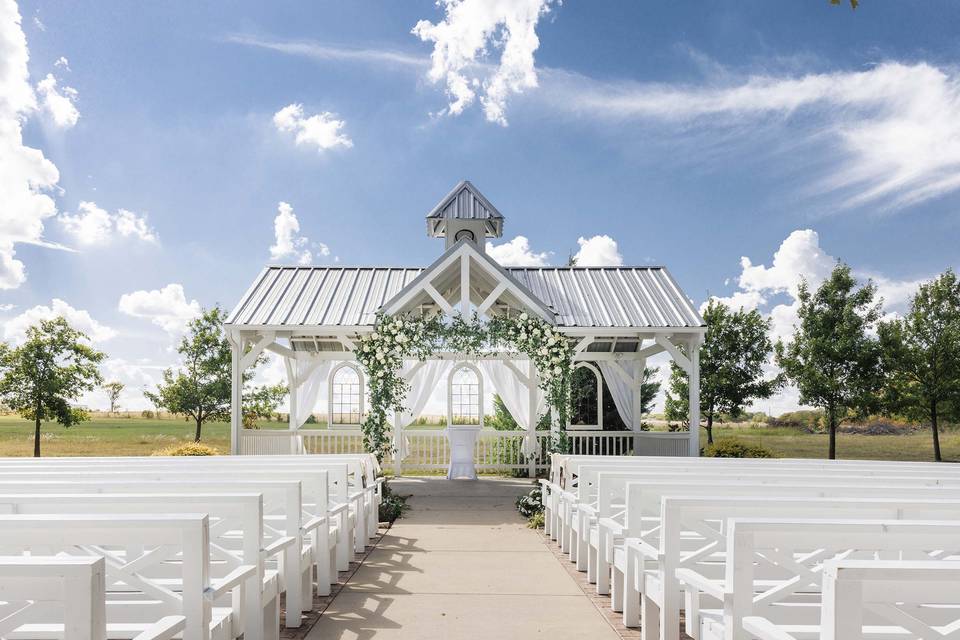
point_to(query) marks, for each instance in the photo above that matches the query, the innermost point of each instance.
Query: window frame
(453, 372)
(333, 375)
(599, 424)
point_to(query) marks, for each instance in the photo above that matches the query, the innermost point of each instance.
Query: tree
(832, 359)
(921, 356)
(735, 349)
(201, 388)
(260, 403)
(41, 377)
(113, 390)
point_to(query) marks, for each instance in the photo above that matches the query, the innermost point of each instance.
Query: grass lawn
(793, 443)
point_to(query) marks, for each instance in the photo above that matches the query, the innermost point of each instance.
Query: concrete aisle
(461, 564)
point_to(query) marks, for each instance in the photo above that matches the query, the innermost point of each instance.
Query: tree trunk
(833, 435)
(709, 427)
(936, 432)
(36, 437)
(196, 438)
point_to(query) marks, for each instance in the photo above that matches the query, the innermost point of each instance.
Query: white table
(463, 440)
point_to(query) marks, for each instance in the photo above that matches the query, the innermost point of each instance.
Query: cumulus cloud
(463, 43)
(92, 225)
(894, 130)
(59, 105)
(598, 251)
(62, 63)
(26, 176)
(322, 130)
(15, 329)
(288, 243)
(167, 308)
(517, 253)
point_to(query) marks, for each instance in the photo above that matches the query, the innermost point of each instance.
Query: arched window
(586, 397)
(465, 395)
(346, 396)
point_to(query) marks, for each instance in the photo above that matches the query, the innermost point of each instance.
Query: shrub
(188, 449)
(536, 520)
(733, 448)
(392, 505)
(146, 413)
(530, 504)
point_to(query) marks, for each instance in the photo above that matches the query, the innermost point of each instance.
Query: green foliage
(52, 368)
(259, 403)
(188, 449)
(921, 356)
(382, 353)
(200, 389)
(536, 521)
(734, 351)
(832, 359)
(149, 415)
(530, 504)
(113, 389)
(392, 505)
(853, 3)
(733, 448)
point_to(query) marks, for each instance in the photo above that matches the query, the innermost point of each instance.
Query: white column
(397, 434)
(530, 448)
(292, 384)
(236, 394)
(639, 365)
(694, 397)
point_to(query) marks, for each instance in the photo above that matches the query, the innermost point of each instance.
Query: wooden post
(639, 365)
(292, 384)
(397, 434)
(694, 396)
(531, 448)
(236, 393)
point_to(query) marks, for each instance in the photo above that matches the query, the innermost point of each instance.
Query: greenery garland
(398, 338)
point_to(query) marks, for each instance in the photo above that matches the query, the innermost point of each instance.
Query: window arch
(346, 396)
(465, 395)
(586, 398)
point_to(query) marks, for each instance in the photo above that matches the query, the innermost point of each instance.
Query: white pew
(798, 547)
(64, 598)
(878, 600)
(184, 537)
(237, 521)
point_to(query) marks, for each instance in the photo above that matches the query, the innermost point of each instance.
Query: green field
(119, 436)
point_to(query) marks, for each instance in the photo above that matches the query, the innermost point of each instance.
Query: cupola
(465, 214)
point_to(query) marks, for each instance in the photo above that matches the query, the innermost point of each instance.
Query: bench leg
(649, 619)
(616, 590)
(323, 558)
(271, 621)
(692, 609)
(631, 595)
(583, 544)
(603, 572)
(592, 554)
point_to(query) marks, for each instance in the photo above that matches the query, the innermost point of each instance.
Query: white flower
(544, 351)
(523, 317)
(557, 370)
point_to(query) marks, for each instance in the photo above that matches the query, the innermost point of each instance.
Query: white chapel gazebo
(616, 318)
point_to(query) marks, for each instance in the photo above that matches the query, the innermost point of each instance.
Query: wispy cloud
(330, 52)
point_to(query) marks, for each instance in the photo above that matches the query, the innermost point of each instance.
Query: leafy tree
(853, 3)
(832, 359)
(735, 348)
(260, 403)
(41, 377)
(921, 356)
(201, 388)
(113, 390)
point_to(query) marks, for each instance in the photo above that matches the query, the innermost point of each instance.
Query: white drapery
(422, 383)
(513, 392)
(621, 390)
(313, 375)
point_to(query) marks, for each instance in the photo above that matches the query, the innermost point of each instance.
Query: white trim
(453, 372)
(491, 299)
(599, 425)
(679, 358)
(333, 374)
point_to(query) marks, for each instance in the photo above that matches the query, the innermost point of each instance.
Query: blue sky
(689, 134)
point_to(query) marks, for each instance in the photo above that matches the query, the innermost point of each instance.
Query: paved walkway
(461, 565)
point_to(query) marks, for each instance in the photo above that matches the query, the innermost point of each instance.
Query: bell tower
(465, 214)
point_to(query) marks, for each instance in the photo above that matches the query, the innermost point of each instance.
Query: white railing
(429, 449)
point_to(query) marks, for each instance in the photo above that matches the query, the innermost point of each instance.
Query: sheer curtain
(308, 391)
(512, 391)
(422, 385)
(620, 389)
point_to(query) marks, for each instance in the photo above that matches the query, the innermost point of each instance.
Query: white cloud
(7, 307)
(15, 329)
(463, 41)
(26, 176)
(59, 106)
(167, 308)
(894, 130)
(327, 52)
(62, 63)
(517, 253)
(598, 251)
(288, 243)
(92, 225)
(322, 130)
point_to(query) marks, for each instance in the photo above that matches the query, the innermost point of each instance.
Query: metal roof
(464, 202)
(611, 297)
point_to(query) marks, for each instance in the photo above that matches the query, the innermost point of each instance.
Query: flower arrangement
(398, 338)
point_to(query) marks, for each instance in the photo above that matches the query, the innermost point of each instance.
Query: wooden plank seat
(877, 600)
(131, 545)
(62, 598)
(774, 568)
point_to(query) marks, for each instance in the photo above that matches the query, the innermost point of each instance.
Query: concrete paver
(461, 564)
